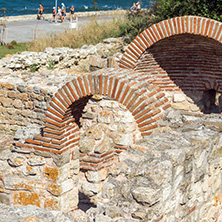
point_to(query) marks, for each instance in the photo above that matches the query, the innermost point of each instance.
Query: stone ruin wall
(91, 120)
(21, 106)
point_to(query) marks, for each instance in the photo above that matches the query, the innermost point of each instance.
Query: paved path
(27, 30)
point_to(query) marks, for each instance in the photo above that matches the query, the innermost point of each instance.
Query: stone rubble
(88, 58)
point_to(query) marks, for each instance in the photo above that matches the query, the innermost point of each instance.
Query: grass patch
(91, 33)
(94, 32)
(13, 48)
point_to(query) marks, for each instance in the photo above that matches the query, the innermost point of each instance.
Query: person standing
(40, 12)
(53, 14)
(72, 11)
(59, 14)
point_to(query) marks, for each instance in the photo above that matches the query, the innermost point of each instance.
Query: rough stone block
(178, 98)
(90, 189)
(70, 199)
(86, 145)
(26, 198)
(104, 116)
(36, 160)
(96, 176)
(146, 195)
(4, 199)
(61, 159)
(104, 146)
(52, 204)
(15, 183)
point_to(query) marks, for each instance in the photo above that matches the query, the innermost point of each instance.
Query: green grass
(13, 48)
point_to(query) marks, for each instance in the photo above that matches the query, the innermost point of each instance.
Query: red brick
(68, 94)
(86, 85)
(81, 86)
(33, 142)
(64, 97)
(77, 88)
(73, 93)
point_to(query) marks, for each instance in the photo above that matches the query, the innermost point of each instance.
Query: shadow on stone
(84, 202)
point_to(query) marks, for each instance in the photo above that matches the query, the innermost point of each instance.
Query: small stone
(181, 106)
(16, 161)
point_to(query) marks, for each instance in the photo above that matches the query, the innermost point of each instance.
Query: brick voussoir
(56, 107)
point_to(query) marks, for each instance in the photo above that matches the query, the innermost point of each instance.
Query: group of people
(56, 15)
(136, 7)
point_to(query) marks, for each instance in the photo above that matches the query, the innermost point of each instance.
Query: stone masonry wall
(21, 106)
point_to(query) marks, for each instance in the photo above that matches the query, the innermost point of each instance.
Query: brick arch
(135, 90)
(180, 25)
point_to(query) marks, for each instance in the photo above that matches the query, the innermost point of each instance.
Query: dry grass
(91, 33)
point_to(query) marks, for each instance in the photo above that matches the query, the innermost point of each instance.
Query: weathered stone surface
(91, 189)
(79, 216)
(104, 146)
(96, 176)
(26, 198)
(103, 218)
(181, 106)
(179, 98)
(86, 145)
(61, 159)
(52, 204)
(52, 173)
(95, 132)
(15, 183)
(36, 160)
(4, 198)
(122, 139)
(71, 199)
(104, 116)
(123, 117)
(146, 195)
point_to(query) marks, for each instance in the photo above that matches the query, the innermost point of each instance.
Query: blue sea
(24, 7)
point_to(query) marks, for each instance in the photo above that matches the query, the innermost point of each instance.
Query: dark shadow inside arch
(76, 109)
(193, 62)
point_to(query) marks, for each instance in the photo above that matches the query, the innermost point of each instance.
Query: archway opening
(211, 101)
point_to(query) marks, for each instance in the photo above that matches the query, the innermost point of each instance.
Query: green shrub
(165, 9)
(13, 42)
(51, 64)
(33, 67)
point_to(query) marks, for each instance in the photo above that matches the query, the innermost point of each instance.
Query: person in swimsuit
(53, 14)
(72, 11)
(40, 12)
(59, 14)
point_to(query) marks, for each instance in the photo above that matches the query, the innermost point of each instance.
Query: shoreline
(78, 14)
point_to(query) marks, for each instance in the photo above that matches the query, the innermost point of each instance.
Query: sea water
(24, 7)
